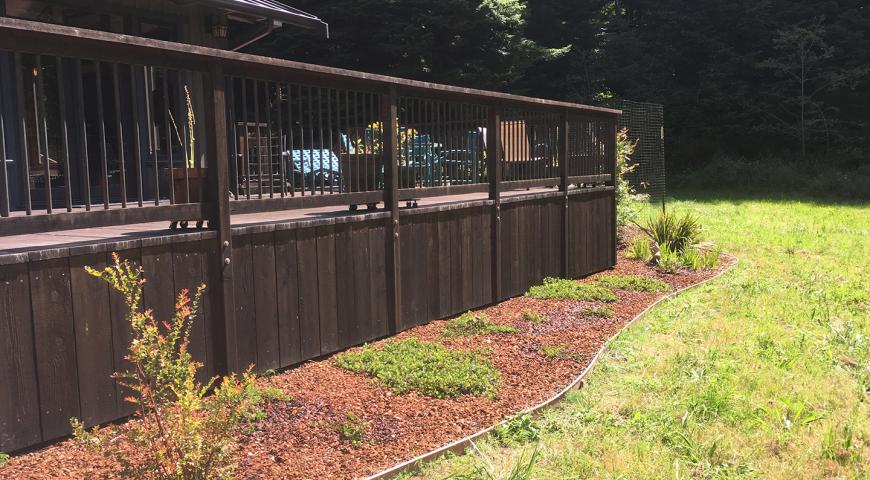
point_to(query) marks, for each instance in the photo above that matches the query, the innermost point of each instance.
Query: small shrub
(635, 283)
(673, 232)
(701, 259)
(474, 324)
(519, 430)
(600, 312)
(553, 351)
(4, 459)
(640, 249)
(428, 368)
(353, 429)
(180, 434)
(534, 318)
(560, 288)
(670, 261)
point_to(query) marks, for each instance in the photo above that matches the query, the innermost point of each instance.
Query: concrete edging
(460, 445)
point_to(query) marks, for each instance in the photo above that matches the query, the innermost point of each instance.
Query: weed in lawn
(470, 323)
(519, 430)
(521, 469)
(565, 289)
(599, 312)
(839, 445)
(353, 429)
(640, 249)
(787, 415)
(428, 368)
(533, 317)
(634, 283)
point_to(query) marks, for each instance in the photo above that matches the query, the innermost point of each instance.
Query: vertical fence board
(122, 334)
(326, 286)
(309, 303)
(187, 273)
(246, 311)
(93, 329)
(362, 285)
(287, 291)
(349, 318)
(51, 301)
(378, 279)
(159, 292)
(265, 301)
(444, 265)
(19, 396)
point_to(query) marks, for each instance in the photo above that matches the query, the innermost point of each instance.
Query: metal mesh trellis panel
(645, 124)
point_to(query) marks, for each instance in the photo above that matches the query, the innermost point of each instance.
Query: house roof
(272, 10)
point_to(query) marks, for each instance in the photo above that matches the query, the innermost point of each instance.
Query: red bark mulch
(297, 442)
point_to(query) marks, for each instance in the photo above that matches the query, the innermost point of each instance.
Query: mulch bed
(297, 441)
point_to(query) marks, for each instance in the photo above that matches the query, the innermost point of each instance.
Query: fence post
(389, 118)
(218, 214)
(563, 187)
(493, 168)
(613, 181)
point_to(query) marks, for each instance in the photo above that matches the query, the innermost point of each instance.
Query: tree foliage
(724, 69)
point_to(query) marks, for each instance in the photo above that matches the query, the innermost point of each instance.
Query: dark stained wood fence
(283, 293)
(302, 290)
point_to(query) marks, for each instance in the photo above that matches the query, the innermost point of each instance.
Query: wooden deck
(87, 236)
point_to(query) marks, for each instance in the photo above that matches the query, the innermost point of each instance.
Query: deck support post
(218, 211)
(563, 187)
(389, 118)
(493, 153)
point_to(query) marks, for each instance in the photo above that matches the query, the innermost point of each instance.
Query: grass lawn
(763, 373)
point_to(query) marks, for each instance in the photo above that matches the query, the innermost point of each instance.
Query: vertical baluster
(120, 139)
(320, 136)
(83, 134)
(246, 160)
(268, 98)
(301, 137)
(257, 138)
(4, 175)
(187, 160)
(61, 98)
(347, 176)
(137, 133)
(330, 134)
(101, 119)
(168, 131)
(290, 144)
(311, 139)
(234, 139)
(280, 102)
(22, 131)
(42, 130)
(152, 129)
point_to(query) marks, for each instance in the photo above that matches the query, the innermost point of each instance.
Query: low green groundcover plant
(635, 283)
(353, 429)
(470, 323)
(4, 457)
(553, 351)
(600, 312)
(563, 289)
(533, 317)
(427, 368)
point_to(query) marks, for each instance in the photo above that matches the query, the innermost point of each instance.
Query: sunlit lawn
(765, 372)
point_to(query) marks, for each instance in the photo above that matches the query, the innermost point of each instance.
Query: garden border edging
(460, 445)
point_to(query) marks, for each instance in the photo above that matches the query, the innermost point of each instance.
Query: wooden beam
(564, 162)
(389, 119)
(493, 169)
(223, 315)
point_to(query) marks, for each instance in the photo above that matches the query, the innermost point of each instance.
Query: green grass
(428, 368)
(762, 373)
(474, 324)
(634, 283)
(566, 289)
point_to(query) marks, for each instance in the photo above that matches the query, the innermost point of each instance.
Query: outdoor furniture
(315, 166)
(466, 165)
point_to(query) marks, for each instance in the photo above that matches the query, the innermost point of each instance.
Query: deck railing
(95, 131)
